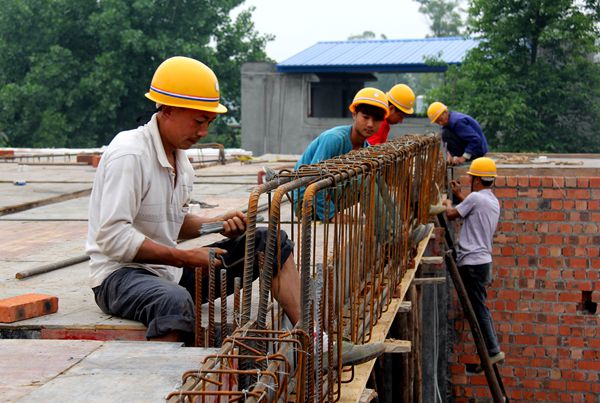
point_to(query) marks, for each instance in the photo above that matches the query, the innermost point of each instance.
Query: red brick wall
(546, 261)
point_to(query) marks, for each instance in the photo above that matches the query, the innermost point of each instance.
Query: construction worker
(139, 208)
(462, 135)
(401, 104)
(480, 211)
(369, 108)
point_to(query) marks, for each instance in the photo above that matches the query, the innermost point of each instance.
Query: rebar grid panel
(350, 260)
(219, 377)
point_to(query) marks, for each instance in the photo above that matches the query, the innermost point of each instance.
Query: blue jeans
(476, 278)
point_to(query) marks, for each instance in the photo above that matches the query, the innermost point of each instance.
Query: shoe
(419, 233)
(476, 369)
(436, 209)
(354, 354)
(270, 174)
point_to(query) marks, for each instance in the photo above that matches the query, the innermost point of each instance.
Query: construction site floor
(43, 219)
(93, 371)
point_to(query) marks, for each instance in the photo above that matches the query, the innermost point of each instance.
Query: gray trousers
(164, 306)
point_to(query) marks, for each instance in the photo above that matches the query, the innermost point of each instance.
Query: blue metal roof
(398, 55)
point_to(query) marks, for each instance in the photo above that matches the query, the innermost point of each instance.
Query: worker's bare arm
(153, 252)
(451, 212)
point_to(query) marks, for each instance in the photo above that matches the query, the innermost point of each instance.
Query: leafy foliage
(366, 35)
(532, 83)
(73, 72)
(444, 16)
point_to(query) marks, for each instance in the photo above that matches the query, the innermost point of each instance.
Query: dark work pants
(476, 278)
(164, 306)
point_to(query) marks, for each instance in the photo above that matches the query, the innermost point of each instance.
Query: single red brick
(535, 181)
(96, 160)
(27, 306)
(523, 181)
(85, 158)
(595, 182)
(579, 386)
(578, 194)
(505, 193)
(512, 181)
(571, 182)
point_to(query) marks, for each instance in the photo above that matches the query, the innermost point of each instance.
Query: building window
(331, 96)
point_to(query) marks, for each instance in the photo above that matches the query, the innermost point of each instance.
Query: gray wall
(275, 112)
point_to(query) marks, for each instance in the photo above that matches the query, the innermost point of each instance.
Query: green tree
(532, 83)
(444, 16)
(73, 72)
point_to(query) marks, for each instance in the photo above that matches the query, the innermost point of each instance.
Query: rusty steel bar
(224, 321)
(349, 265)
(211, 296)
(198, 334)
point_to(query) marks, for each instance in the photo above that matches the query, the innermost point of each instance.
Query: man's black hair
(487, 182)
(376, 112)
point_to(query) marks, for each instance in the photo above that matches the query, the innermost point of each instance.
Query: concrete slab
(92, 371)
(57, 231)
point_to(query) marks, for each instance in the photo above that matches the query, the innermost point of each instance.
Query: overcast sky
(300, 24)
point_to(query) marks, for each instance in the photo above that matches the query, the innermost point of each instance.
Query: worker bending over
(401, 104)
(480, 212)
(462, 135)
(369, 108)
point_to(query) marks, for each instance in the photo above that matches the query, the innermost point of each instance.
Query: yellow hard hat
(371, 96)
(186, 83)
(435, 110)
(402, 97)
(484, 167)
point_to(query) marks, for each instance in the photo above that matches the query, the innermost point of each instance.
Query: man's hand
(455, 185)
(457, 160)
(234, 224)
(199, 257)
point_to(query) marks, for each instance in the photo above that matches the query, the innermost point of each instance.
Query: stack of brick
(545, 294)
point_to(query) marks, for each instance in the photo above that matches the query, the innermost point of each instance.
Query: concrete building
(285, 106)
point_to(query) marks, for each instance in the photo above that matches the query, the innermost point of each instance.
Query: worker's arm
(328, 148)
(117, 238)
(153, 252)
(451, 212)
(234, 224)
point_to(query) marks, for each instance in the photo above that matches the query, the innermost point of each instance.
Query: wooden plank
(415, 296)
(429, 280)
(397, 346)
(368, 395)
(353, 390)
(432, 260)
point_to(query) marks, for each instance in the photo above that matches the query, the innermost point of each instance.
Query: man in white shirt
(480, 212)
(139, 209)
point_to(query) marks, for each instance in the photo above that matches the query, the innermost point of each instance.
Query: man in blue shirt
(369, 108)
(461, 133)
